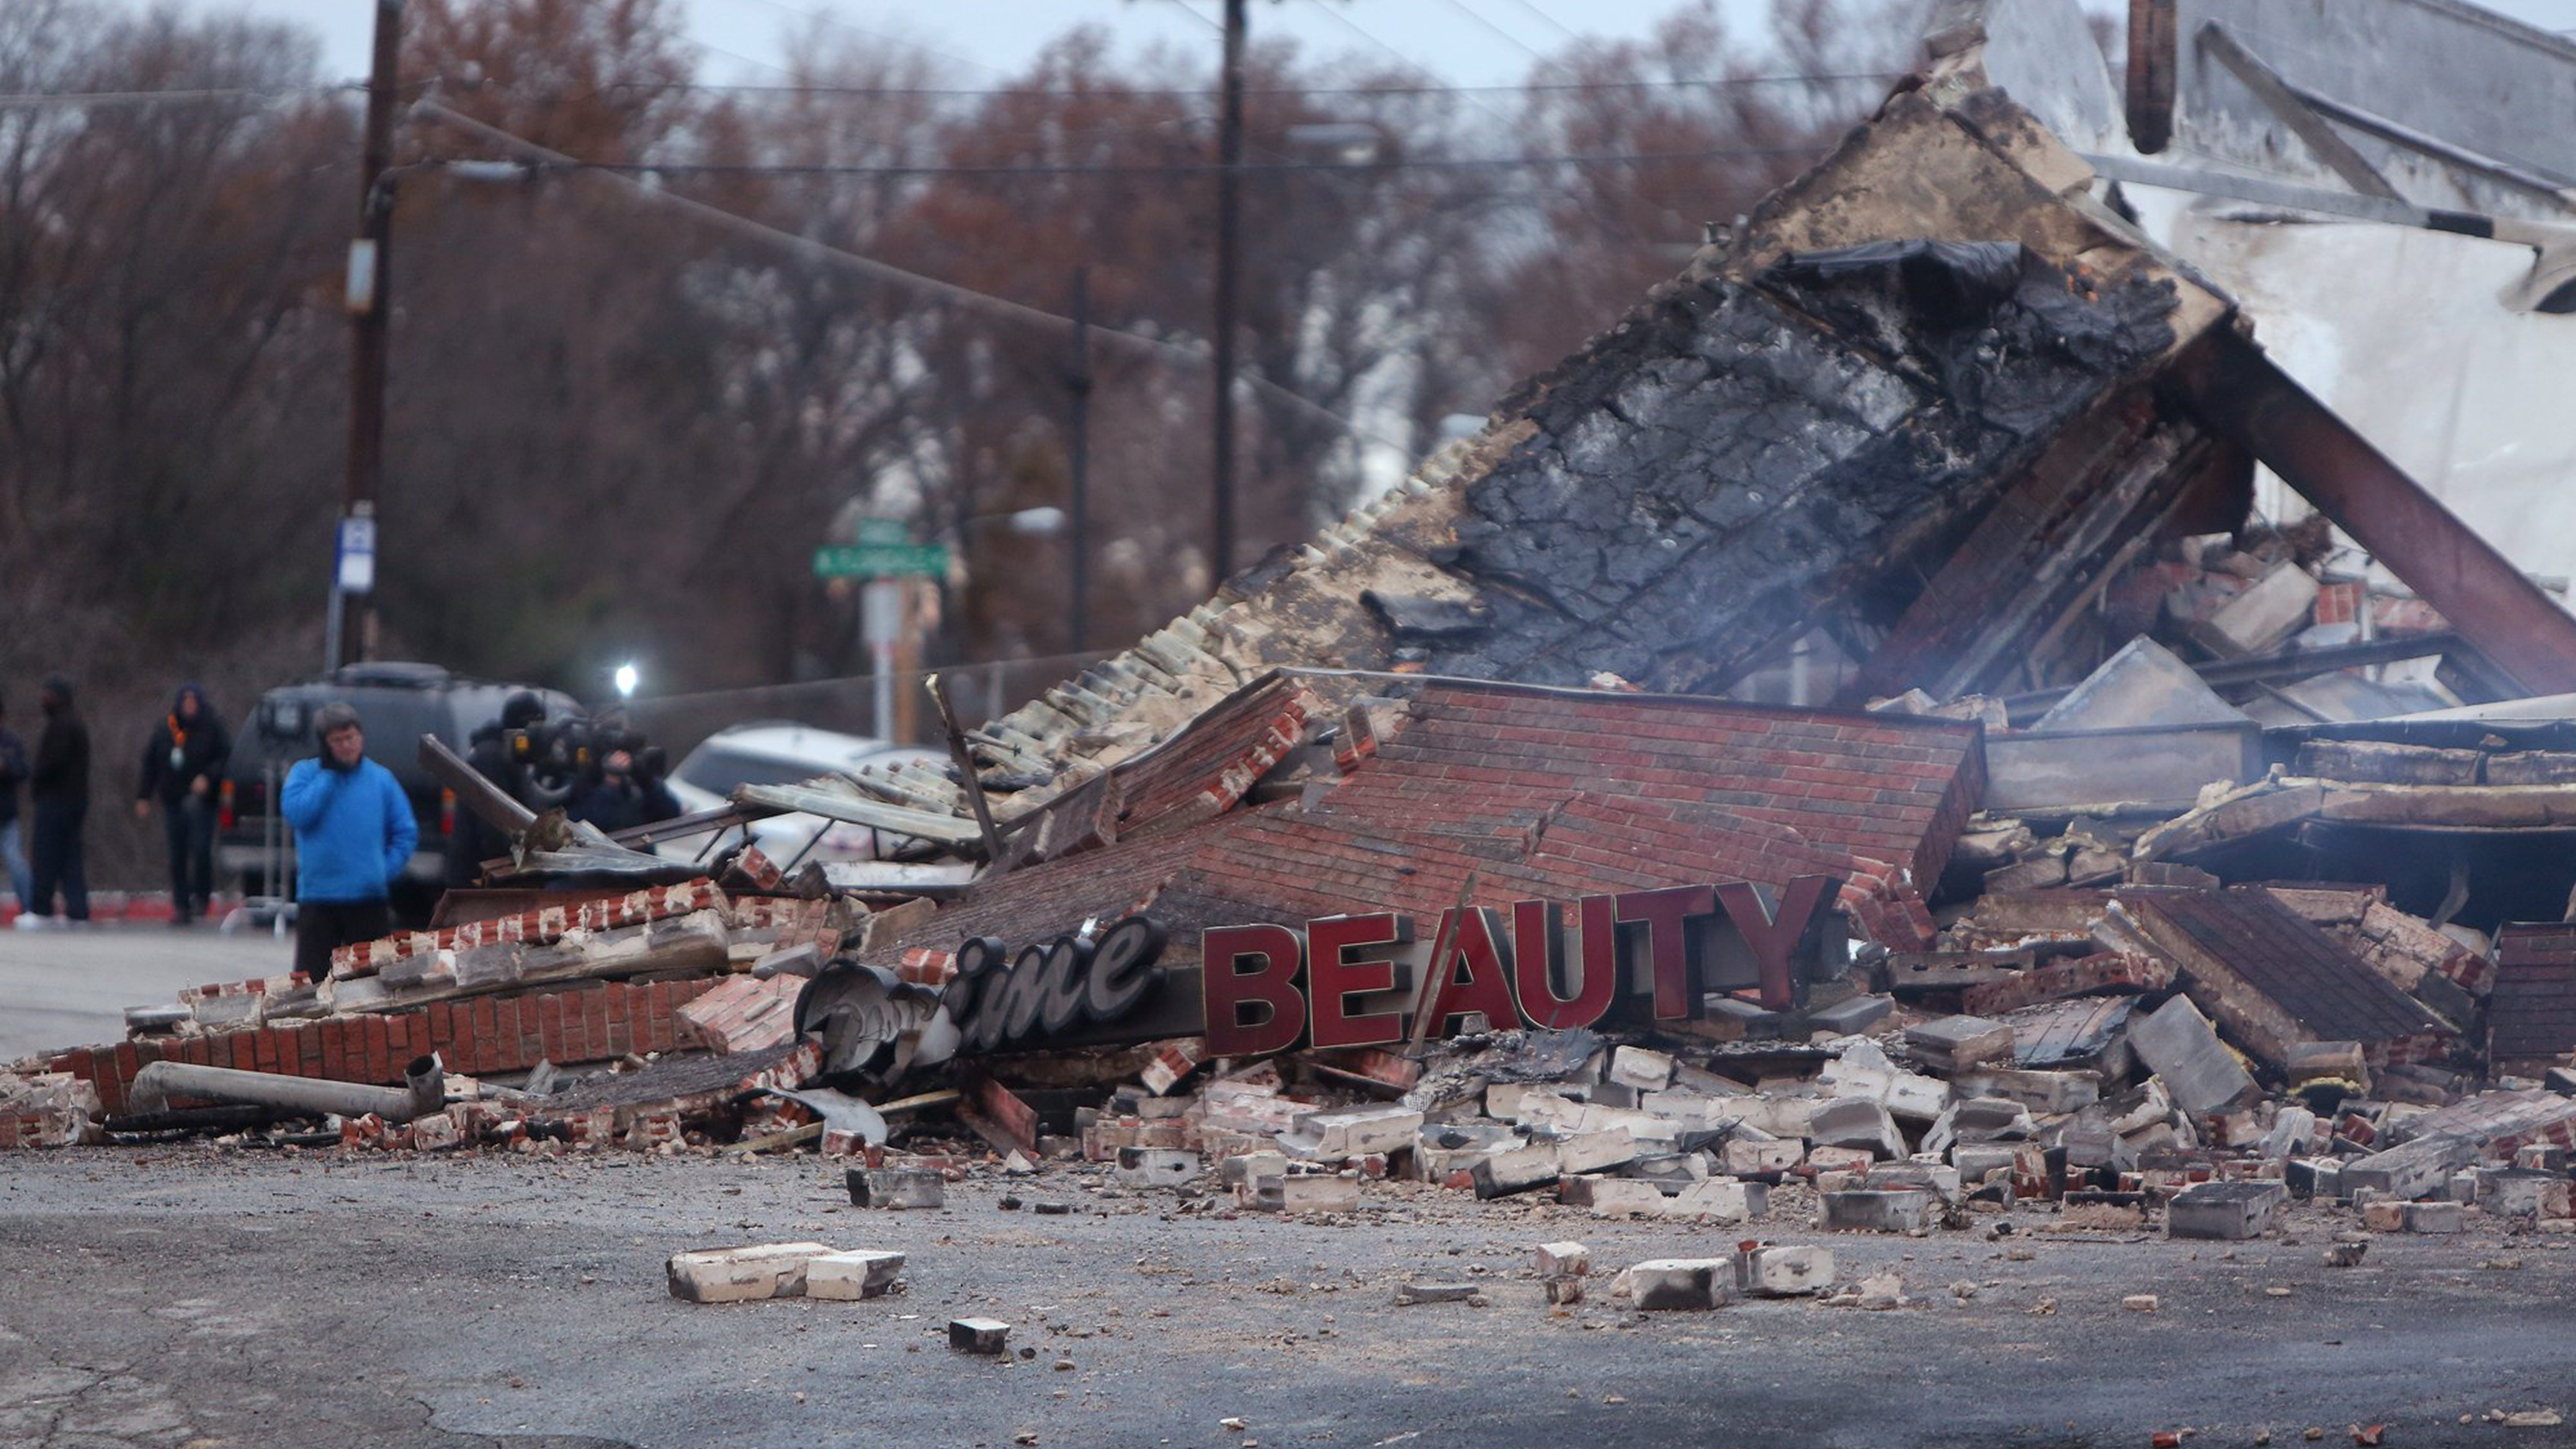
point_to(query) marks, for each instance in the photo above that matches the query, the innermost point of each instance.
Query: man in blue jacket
(354, 833)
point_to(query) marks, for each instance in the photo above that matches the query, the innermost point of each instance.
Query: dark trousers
(56, 862)
(323, 926)
(189, 826)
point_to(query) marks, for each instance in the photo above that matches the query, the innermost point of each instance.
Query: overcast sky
(1464, 42)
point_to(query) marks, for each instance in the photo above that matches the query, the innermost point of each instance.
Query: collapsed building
(2118, 845)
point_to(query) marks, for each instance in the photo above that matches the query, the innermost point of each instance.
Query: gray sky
(1464, 42)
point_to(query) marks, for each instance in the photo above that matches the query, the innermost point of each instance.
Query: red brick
(599, 1017)
(550, 1033)
(335, 1049)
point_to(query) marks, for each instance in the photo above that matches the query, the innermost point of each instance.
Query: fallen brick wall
(483, 1036)
(2531, 1017)
(546, 923)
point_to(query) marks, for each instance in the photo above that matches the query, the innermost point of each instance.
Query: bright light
(626, 681)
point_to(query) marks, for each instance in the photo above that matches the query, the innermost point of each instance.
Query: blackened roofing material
(2532, 1011)
(2332, 993)
(1697, 474)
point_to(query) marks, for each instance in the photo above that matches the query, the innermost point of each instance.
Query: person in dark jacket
(13, 853)
(473, 841)
(58, 789)
(354, 833)
(183, 766)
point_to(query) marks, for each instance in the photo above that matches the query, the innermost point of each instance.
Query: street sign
(880, 560)
(884, 530)
(356, 570)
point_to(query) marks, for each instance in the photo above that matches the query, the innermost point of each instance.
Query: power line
(887, 272)
(1186, 168)
(37, 100)
(1209, 93)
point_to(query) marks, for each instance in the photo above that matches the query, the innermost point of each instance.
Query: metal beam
(2295, 113)
(2232, 387)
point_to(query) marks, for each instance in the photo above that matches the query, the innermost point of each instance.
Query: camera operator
(491, 754)
(625, 789)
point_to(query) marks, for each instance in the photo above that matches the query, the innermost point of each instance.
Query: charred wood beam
(2237, 391)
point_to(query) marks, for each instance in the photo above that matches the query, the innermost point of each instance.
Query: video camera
(560, 757)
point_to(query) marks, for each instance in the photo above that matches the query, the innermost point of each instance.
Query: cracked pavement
(184, 1298)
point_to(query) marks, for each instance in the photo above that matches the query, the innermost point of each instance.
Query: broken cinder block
(1681, 1284)
(850, 1276)
(978, 1335)
(896, 1187)
(742, 1275)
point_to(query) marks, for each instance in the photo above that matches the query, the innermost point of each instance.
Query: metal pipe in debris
(424, 1091)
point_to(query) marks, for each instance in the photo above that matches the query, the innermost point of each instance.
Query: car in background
(397, 703)
(779, 752)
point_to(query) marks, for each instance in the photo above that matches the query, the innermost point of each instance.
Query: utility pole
(1078, 379)
(370, 310)
(1229, 208)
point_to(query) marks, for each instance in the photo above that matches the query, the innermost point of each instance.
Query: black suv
(397, 704)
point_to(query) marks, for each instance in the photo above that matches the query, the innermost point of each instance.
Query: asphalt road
(189, 1296)
(71, 987)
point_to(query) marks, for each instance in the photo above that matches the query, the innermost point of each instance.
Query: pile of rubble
(2134, 855)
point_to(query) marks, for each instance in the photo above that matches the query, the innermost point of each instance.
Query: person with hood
(183, 766)
(474, 841)
(13, 854)
(354, 833)
(58, 789)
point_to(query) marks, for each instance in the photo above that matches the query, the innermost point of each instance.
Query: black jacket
(202, 752)
(61, 776)
(13, 770)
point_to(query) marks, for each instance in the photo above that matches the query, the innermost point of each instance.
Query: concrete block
(1747, 1158)
(1724, 1199)
(2384, 1215)
(1858, 1122)
(2437, 1217)
(898, 1187)
(1410, 1293)
(1974, 1160)
(1158, 1166)
(1961, 1041)
(2259, 619)
(986, 1336)
(1840, 1159)
(1681, 1284)
(2517, 1193)
(2291, 1135)
(1901, 1210)
(1524, 1104)
(2314, 1177)
(1563, 1291)
(742, 1275)
(2050, 1092)
(1773, 1271)
(850, 1276)
(1319, 1193)
(1249, 1167)
(1852, 1015)
(1358, 1131)
(1637, 1067)
(1519, 1169)
(1613, 1197)
(2226, 1212)
(1563, 1260)
(1596, 1151)
(2410, 1170)
(2180, 1046)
